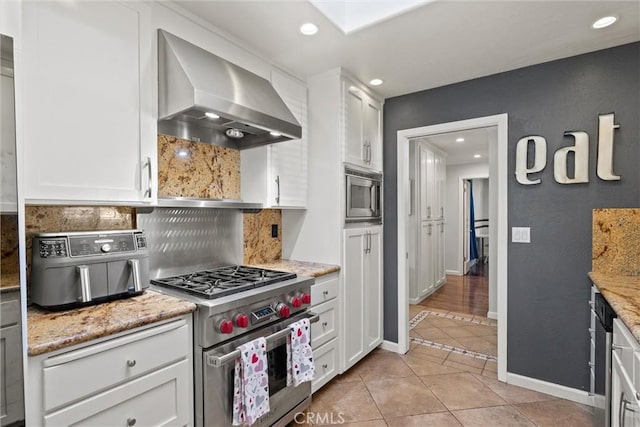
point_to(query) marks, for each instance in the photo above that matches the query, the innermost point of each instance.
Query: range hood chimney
(202, 97)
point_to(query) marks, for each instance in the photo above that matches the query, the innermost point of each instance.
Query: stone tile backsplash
(616, 241)
(259, 246)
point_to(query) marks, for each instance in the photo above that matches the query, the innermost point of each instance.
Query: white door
(353, 293)
(426, 275)
(466, 206)
(373, 289)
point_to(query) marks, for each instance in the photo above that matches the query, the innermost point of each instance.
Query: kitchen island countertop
(623, 293)
(52, 330)
(301, 268)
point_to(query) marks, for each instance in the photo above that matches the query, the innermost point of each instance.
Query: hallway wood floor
(463, 294)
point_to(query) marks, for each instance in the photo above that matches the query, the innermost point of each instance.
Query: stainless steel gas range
(236, 304)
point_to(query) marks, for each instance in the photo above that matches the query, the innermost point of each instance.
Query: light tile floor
(436, 387)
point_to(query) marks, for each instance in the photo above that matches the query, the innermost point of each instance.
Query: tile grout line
(421, 341)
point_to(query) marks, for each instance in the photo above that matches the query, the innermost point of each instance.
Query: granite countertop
(9, 281)
(301, 268)
(49, 330)
(623, 293)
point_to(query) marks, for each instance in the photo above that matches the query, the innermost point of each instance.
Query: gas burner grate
(224, 281)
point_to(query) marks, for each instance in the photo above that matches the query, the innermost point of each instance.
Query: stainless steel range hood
(205, 98)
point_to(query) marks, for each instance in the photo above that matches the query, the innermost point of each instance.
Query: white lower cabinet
(326, 359)
(625, 373)
(142, 378)
(362, 293)
(325, 341)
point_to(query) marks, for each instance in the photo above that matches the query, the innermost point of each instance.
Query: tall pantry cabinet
(428, 221)
(345, 127)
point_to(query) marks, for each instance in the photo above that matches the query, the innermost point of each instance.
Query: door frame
(498, 215)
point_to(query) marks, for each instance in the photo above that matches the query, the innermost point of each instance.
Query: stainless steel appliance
(202, 96)
(237, 304)
(81, 268)
(363, 196)
(602, 316)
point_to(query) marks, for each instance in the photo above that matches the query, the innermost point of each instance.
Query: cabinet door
(372, 299)
(439, 183)
(11, 390)
(354, 150)
(426, 183)
(8, 194)
(426, 274)
(624, 405)
(354, 282)
(440, 276)
(87, 96)
(372, 133)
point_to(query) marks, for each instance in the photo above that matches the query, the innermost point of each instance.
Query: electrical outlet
(521, 234)
(274, 230)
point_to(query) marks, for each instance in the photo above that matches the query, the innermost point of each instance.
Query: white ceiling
(436, 44)
(476, 141)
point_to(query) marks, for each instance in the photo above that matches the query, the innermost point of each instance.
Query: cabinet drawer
(624, 344)
(326, 358)
(324, 290)
(325, 328)
(156, 399)
(81, 373)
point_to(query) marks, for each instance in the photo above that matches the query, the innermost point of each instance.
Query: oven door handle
(218, 361)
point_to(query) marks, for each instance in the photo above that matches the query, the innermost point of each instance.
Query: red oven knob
(283, 310)
(296, 302)
(225, 326)
(242, 321)
(306, 299)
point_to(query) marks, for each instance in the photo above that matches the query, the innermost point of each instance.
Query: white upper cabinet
(276, 174)
(89, 125)
(363, 128)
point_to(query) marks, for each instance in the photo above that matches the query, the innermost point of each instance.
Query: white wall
(453, 239)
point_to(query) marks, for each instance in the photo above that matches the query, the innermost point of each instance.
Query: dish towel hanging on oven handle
(300, 365)
(251, 383)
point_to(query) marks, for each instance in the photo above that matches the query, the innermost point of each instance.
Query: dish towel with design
(300, 365)
(251, 383)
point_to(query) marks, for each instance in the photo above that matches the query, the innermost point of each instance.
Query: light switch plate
(521, 234)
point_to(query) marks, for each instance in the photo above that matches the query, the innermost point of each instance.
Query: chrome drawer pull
(325, 366)
(324, 324)
(131, 363)
(85, 283)
(325, 293)
(131, 421)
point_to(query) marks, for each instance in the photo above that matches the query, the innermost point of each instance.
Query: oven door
(219, 364)
(363, 199)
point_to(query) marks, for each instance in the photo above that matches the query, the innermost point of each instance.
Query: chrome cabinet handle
(135, 273)
(85, 283)
(278, 195)
(325, 293)
(325, 366)
(441, 211)
(131, 363)
(131, 422)
(324, 324)
(637, 395)
(369, 152)
(429, 211)
(148, 191)
(430, 226)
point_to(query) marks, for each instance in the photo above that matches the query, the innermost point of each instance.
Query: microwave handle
(217, 361)
(374, 199)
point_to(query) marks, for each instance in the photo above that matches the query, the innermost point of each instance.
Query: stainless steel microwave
(364, 201)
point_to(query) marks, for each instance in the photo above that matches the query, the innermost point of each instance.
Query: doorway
(497, 217)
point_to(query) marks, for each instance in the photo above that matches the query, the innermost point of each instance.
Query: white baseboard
(492, 315)
(390, 346)
(414, 300)
(453, 272)
(557, 390)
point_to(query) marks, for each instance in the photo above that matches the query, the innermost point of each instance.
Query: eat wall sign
(580, 149)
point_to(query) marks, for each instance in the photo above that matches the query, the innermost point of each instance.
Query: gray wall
(548, 287)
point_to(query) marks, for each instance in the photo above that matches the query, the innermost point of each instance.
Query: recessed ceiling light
(212, 115)
(375, 82)
(604, 22)
(459, 139)
(275, 134)
(309, 29)
(476, 156)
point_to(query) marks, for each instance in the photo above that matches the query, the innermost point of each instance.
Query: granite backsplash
(616, 241)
